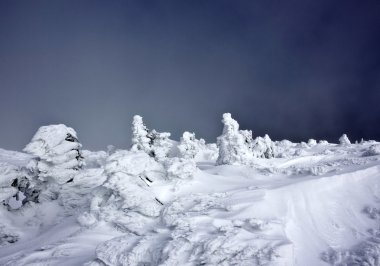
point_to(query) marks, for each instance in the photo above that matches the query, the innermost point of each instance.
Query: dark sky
(292, 69)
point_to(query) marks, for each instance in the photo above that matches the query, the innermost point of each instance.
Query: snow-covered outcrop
(57, 151)
(124, 198)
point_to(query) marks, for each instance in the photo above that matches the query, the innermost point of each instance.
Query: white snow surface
(317, 205)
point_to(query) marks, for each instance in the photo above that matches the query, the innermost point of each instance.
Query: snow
(310, 203)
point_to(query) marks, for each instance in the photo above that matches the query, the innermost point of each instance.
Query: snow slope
(318, 206)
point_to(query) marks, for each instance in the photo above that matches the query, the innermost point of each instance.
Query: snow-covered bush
(238, 146)
(161, 144)
(232, 144)
(312, 142)
(180, 168)
(58, 153)
(191, 148)
(263, 147)
(343, 140)
(155, 144)
(209, 152)
(188, 146)
(283, 148)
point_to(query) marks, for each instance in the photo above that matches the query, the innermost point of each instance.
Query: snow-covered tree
(263, 147)
(343, 140)
(188, 146)
(233, 148)
(155, 144)
(161, 144)
(58, 153)
(140, 139)
(248, 138)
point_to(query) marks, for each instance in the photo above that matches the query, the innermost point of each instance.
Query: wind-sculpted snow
(125, 194)
(365, 253)
(196, 230)
(313, 203)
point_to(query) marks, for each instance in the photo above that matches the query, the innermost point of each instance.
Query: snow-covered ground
(318, 205)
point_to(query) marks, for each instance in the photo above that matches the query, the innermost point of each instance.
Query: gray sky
(292, 69)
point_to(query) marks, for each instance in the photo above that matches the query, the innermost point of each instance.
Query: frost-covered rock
(125, 197)
(18, 184)
(234, 146)
(343, 140)
(7, 237)
(58, 153)
(373, 150)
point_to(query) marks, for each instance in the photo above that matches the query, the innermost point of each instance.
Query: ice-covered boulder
(57, 151)
(373, 150)
(125, 198)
